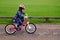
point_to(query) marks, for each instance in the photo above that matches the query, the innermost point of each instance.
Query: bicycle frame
(24, 23)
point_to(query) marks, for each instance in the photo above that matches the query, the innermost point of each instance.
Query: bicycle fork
(28, 25)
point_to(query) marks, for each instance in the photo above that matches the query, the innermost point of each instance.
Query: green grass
(36, 21)
(33, 7)
(7, 21)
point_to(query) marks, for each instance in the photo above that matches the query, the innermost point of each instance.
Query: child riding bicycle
(19, 17)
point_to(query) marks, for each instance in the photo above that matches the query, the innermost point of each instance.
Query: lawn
(32, 7)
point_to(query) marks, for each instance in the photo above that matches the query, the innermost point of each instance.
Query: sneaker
(18, 29)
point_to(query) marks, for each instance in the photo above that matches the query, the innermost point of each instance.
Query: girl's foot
(18, 29)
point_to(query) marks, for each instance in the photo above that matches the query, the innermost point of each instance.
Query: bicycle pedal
(18, 29)
(23, 25)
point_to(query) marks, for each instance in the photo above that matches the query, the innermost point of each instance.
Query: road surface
(44, 32)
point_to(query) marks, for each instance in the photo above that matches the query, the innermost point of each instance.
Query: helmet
(22, 6)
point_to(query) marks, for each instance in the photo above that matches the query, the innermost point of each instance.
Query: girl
(19, 17)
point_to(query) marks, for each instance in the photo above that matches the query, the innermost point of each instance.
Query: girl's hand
(25, 16)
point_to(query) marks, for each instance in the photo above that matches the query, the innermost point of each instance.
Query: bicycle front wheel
(31, 28)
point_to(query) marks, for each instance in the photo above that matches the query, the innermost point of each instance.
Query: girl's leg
(18, 25)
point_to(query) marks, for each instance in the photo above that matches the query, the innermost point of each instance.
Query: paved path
(44, 32)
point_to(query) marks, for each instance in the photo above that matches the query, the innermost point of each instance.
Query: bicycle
(29, 27)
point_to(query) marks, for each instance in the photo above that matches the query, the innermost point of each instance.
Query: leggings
(19, 22)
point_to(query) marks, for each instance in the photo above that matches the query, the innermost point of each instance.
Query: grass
(33, 7)
(36, 21)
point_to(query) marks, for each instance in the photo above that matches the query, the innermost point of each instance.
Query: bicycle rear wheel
(10, 29)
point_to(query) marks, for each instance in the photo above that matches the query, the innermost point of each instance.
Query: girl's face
(21, 8)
